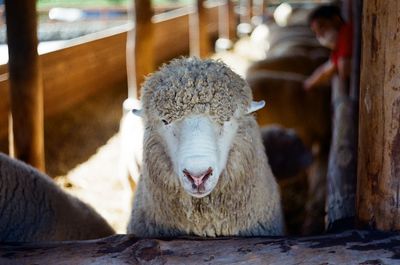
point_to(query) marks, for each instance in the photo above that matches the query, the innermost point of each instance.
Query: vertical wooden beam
(357, 6)
(25, 82)
(199, 39)
(258, 12)
(378, 187)
(246, 13)
(249, 10)
(342, 170)
(226, 26)
(140, 46)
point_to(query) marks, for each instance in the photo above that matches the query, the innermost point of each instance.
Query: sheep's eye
(165, 122)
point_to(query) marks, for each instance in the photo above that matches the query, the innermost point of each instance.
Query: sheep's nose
(198, 178)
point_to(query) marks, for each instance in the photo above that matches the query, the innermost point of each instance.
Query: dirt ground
(82, 153)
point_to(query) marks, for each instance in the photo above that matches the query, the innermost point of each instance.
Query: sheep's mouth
(199, 190)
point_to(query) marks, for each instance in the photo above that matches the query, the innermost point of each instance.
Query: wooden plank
(378, 187)
(96, 66)
(25, 82)
(351, 247)
(164, 38)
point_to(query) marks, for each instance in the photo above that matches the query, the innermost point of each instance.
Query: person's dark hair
(325, 12)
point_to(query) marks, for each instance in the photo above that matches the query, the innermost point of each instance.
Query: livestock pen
(376, 193)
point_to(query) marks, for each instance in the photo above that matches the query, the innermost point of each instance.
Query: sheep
(33, 208)
(287, 155)
(131, 132)
(286, 152)
(289, 105)
(290, 160)
(204, 171)
(295, 47)
(287, 14)
(300, 64)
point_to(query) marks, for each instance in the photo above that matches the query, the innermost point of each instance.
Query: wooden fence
(90, 64)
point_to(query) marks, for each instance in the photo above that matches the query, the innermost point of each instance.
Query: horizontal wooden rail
(92, 63)
(351, 247)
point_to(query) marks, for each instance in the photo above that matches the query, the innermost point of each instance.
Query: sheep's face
(195, 107)
(198, 148)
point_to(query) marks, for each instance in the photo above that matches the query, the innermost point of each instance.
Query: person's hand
(308, 84)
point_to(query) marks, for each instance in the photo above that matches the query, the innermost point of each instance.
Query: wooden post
(246, 13)
(378, 187)
(232, 20)
(341, 177)
(140, 46)
(249, 10)
(25, 79)
(226, 26)
(258, 12)
(357, 6)
(199, 39)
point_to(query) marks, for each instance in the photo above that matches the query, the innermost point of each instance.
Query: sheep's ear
(138, 112)
(133, 105)
(255, 105)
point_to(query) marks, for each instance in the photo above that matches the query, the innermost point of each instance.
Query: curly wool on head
(195, 86)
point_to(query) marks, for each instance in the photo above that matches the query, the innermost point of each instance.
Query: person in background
(334, 33)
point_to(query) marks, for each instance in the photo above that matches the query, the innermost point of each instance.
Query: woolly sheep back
(34, 208)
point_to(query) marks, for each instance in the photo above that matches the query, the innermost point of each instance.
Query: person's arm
(344, 68)
(320, 76)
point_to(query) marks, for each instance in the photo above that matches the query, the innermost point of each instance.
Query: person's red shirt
(344, 44)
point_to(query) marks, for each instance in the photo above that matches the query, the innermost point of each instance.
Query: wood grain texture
(378, 188)
(351, 247)
(25, 82)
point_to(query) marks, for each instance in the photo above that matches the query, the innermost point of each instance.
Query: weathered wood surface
(92, 63)
(351, 247)
(342, 171)
(378, 187)
(26, 85)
